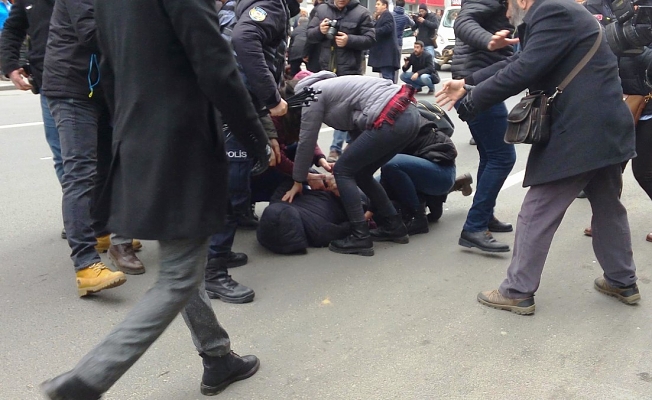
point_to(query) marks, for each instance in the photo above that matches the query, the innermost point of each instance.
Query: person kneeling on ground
(383, 119)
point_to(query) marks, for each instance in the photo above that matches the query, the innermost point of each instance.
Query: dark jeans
(404, 177)
(496, 161)
(388, 73)
(368, 152)
(178, 289)
(83, 130)
(52, 137)
(240, 165)
(642, 164)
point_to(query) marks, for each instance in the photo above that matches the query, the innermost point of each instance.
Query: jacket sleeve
(430, 66)
(83, 22)
(12, 37)
(367, 36)
(196, 24)
(547, 44)
(311, 119)
(248, 39)
(384, 27)
(313, 34)
(431, 21)
(468, 26)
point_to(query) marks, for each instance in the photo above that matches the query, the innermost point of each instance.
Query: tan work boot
(463, 184)
(628, 295)
(104, 242)
(494, 299)
(97, 277)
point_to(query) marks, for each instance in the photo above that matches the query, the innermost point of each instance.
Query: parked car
(446, 36)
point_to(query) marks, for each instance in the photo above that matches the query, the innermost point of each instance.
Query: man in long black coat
(585, 149)
(166, 69)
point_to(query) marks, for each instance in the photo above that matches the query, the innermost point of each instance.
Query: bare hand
(331, 185)
(501, 39)
(326, 165)
(279, 110)
(323, 26)
(17, 77)
(341, 39)
(297, 188)
(275, 157)
(450, 92)
(414, 76)
(316, 181)
(420, 20)
(306, 59)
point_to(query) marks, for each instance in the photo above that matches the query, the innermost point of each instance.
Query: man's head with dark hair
(400, 3)
(418, 47)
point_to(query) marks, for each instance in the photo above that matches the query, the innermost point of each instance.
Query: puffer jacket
(632, 75)
(401, 20)
(476, 23)
(355, 21)
(347, 103)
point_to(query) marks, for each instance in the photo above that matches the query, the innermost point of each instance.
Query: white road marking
(513, 180)
(20, 125)
(45, 158)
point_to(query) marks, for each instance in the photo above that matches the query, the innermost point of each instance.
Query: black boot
(436, 206)
(220, 372)
(358, 241)
(390, 229)
(68, 387)
(219, 284)
(497, 226)
(234, 260)
(416, 221)
(247, 218)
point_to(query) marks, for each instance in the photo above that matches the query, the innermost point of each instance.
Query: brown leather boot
(123, 258)
(649, 237)
(463, 184)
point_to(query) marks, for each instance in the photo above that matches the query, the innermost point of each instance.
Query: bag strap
(579, 66)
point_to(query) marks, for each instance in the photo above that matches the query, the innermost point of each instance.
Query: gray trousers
(544, 207)
(179, 288)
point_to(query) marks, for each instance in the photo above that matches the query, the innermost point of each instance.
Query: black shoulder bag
(529, 120)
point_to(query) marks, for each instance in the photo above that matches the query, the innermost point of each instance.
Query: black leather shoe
(497, 226)
(390, 229)
(64, 235)
(220, 285)
(358, 242)
(236, 260)
(436, 206)
(68, 387)
(220, 372)
(483, 241)
(581, 195)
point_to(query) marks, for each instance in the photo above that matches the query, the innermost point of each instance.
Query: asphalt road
(403, 324)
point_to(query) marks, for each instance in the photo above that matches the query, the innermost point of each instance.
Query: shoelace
(98, 267)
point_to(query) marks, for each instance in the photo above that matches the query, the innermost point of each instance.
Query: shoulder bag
(636, 104)
(529, 120)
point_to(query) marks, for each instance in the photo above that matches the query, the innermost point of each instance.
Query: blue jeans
(431, 50)
(52, 137)
(404, 176)
(423, 80)
(387, 73)
(497, 159)
(338, 140)
(80, 134)
(240, 165)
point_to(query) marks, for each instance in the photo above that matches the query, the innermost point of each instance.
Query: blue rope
(92, 85)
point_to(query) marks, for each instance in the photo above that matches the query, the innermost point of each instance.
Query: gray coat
(347, 103)
(591, 125)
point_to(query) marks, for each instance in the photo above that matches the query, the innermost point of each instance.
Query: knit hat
(422, 6)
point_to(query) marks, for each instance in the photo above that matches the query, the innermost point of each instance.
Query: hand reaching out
(297, 188)
(501, 39)
(450, 93)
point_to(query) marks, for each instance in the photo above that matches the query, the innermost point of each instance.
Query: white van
(445, 33)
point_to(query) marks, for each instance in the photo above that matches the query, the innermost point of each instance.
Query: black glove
(261, 162)
(466, 111)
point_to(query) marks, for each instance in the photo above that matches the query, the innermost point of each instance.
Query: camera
(632, 29)
(333, 28)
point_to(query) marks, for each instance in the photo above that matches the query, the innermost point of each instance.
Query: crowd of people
(172, 124)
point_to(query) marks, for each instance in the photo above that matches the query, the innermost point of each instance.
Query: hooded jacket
(348, 103)
(401, 20)
(355, 21)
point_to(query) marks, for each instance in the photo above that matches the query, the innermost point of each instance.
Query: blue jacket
(591, 127)
(401, 20)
